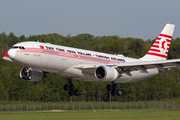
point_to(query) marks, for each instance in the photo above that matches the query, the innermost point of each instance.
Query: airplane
(38, 59)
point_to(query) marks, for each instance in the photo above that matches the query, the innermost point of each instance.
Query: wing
(162, 65)
(126, 67)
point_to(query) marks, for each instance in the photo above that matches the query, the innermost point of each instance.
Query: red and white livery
(39, 58)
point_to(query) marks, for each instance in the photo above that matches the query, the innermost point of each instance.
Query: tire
(76, 92)
(66, 87)
(113, 92)
(119, 92)
(114, 87)
(70, 93)
(71, 87)
(108, 87)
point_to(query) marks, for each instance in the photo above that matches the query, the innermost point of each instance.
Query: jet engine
(106, 73)
(31, 75)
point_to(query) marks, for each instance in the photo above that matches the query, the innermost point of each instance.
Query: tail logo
(42, 47)
(161, 46)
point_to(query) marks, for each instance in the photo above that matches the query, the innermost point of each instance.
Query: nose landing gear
(70, 87)
(26, 73)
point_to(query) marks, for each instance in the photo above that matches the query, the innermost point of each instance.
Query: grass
(91, 115)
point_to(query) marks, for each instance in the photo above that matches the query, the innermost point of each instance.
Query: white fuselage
(61, 60)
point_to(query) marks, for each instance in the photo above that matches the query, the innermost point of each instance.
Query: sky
(125, 18)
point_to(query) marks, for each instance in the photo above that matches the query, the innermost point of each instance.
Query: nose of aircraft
(11, 53)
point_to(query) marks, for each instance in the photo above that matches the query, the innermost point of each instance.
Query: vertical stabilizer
(160, 48)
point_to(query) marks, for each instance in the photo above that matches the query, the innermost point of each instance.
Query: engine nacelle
(31, 75)
(106, 73)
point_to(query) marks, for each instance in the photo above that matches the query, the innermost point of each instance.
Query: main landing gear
(70, 87)
(113, 89)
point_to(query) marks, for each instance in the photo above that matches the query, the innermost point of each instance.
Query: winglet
(6, 57)
(160, 48)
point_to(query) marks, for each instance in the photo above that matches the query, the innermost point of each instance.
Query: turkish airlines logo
(163, 46)
(42, 47)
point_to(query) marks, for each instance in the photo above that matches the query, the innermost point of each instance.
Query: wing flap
(143, 65)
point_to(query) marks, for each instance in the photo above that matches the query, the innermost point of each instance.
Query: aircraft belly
(137, 76)
(76, 73)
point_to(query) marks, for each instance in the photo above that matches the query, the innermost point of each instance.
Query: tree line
(12, 88)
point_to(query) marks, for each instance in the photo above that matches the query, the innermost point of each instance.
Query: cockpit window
(21, 47)
(18, 47)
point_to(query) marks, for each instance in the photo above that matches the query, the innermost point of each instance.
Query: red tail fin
(160, 48)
